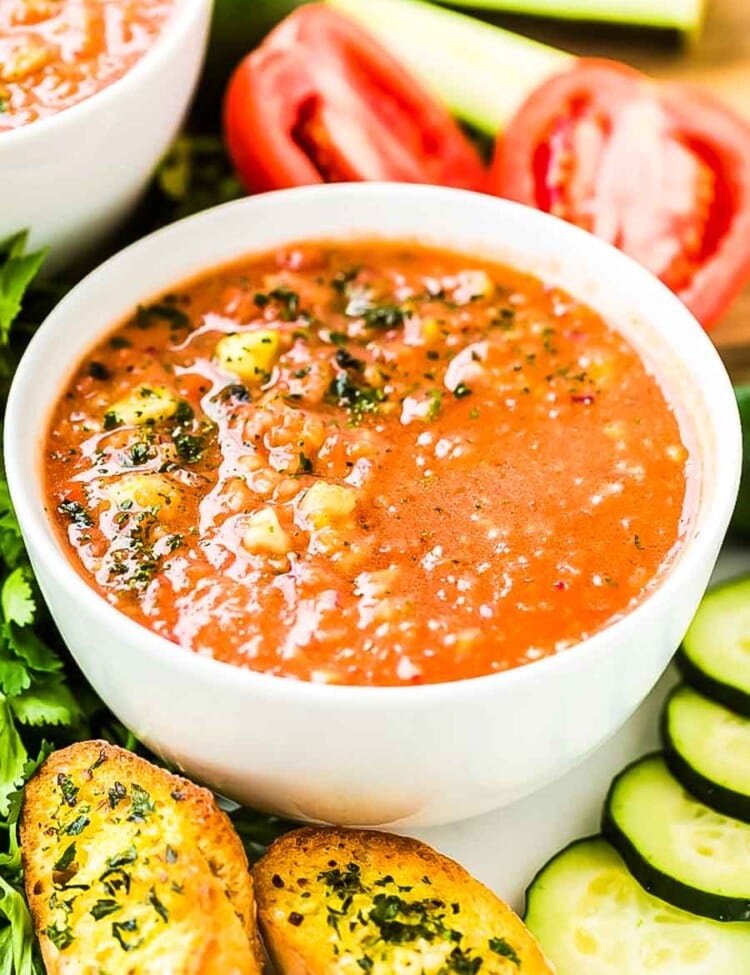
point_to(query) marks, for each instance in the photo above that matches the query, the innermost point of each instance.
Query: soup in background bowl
(92, 93)
(56, 53)
(370, 463)
(370, 755)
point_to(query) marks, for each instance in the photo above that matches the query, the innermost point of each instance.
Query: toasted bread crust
(131, 870)
(358, 901)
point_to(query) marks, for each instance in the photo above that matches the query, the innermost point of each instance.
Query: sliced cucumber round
(592, 918)
(715, 654)
(707, 748)
(675, 846)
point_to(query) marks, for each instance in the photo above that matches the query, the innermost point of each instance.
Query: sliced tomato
(321, 101)
(659, 170)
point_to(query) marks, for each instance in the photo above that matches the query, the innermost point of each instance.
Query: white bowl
(373, 755)
(73, 177)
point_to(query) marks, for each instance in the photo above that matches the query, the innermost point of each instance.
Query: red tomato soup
(369, 464)
(55, 53)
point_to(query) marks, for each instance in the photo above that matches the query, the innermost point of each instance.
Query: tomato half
(321, 101)
(659, 170)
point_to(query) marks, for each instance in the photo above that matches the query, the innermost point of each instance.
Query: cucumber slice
(683, 15)
(592, 918)
(675, 846)
(707, 748)
(715, 654)
(482, 73)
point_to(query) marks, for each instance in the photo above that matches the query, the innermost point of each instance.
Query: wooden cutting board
(719, 60)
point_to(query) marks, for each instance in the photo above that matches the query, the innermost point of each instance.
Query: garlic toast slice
(356, 902)
(130, 870)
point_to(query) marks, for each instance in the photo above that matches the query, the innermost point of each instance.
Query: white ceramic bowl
(72, 177)
(357, 755)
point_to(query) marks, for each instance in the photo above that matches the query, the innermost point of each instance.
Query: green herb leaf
(501, 947)
(17, 272)
(142, 805)
(104, 907)
(17, 599)
(13, 755)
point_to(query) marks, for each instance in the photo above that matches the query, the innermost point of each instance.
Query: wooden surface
(719, 60)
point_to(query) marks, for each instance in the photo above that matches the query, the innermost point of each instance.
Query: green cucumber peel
(685, 16)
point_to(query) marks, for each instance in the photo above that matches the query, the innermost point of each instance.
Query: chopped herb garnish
(119, 342)
(436, 404)
(139, 453)
(506, 319)
(111, 420)
(68, 789)
(141, 803)
(342, 279)
(305, 464)
(357, 399)
(184, 412)
(104, 907)
(98, 371)
(116, 794)
(61, 938)
(158, 906)
(461, 962)
(385, 316)
(343, 882)
(338, 338)
(189, 447)
(170, 854)
(77, 826)
(287, 299)
(401, 922)
(78, 515)
(346, 360)
(501, 947)
(237, 392)
(66, 858)
(128, 855)
(637, 542)
(120, 930)
(147, 315)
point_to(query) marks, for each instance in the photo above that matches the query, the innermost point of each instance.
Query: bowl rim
(168, 42)
(697, 550)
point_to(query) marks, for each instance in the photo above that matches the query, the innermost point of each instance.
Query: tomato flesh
(321, 101)
(637, 165)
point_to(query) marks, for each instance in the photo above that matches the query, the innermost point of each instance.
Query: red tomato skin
(369, 119)
(695, 119)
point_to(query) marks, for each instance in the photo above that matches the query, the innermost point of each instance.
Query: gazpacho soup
(369, 463)
(55, 53)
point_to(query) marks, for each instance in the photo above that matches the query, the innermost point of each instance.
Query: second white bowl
(73, 177)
